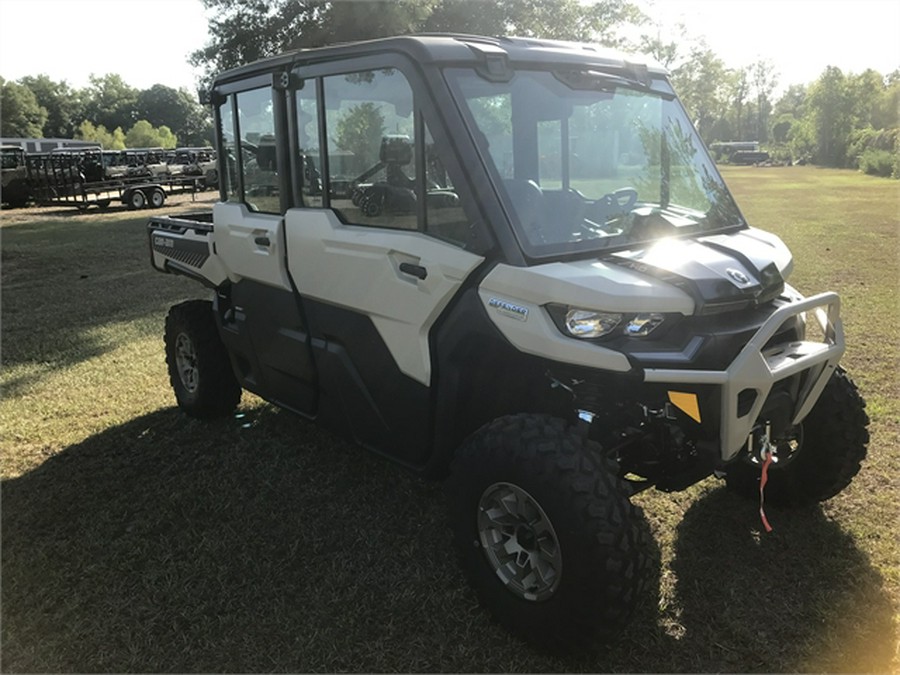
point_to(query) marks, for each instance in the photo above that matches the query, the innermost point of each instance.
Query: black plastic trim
(363, 394)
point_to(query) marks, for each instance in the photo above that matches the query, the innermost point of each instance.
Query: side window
(256, 125)
(550, 154)
(308, 136)
(444, 215)
(371, 141)
(493, 118)
(229, 150)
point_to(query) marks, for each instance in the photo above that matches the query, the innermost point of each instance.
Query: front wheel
(136, 200)
(546, 532)
(199, 368)
(819, 457)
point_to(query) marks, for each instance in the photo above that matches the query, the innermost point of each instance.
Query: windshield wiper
(595, 80)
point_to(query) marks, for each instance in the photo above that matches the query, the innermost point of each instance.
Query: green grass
(136, 539)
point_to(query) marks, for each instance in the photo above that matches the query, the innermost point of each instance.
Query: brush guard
(758, 368)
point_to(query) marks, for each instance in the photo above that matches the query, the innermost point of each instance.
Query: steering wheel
(615, 203)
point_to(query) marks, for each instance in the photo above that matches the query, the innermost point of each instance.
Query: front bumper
(757, 369)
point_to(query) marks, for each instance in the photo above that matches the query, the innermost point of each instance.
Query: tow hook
(760, 446)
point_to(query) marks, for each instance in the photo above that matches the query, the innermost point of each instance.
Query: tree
(145, 135)
(64, 105)
(764, 79)
(246, 30)
(702, 85)
(886, 114)
(830, 116)
(360, 130)
(781, 129)
(739, 89)
(110, 102)
(666, 52)
(163, 105)
(867, 91)
(176, 109)
(22, 116)
(792, 102)
(108, 140)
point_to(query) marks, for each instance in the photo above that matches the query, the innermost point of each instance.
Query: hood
(720, 273)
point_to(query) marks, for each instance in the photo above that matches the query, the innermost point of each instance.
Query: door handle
(262, 241)
(414, 270)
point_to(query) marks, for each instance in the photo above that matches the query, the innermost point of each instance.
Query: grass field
(136, 539)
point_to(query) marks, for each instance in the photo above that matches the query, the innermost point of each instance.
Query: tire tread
(559, 461)
(219, 392)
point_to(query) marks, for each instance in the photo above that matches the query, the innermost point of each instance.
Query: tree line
(108, 111)
(843, 120)
(840, 120)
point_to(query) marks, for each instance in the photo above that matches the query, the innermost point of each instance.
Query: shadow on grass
(66, 282)
(802, 598)
(259, 543)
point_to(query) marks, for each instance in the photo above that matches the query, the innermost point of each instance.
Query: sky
(800, 37)
(148, 41)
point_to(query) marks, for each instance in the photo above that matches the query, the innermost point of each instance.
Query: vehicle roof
(456, 49)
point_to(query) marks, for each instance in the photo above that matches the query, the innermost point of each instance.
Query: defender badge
(509, 309)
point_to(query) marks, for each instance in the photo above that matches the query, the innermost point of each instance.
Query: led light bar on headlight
(643, 324)
(584, 323)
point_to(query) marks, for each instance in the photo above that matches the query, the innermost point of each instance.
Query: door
(377, 254)
(372, 297)
(262, 318)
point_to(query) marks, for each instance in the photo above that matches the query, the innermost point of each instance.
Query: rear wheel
(545, 531)
(157, 198)
(199, 368)
(819, 457)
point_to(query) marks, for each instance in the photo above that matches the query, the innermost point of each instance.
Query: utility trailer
(83, 178)
(569, 307)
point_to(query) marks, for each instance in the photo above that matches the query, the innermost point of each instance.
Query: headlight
(589, 324)
(643, 324)
(583, 323)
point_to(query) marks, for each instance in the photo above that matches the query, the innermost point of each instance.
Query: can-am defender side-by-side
(511, 264)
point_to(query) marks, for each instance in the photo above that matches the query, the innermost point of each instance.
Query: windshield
(11, 158)
(591, 161)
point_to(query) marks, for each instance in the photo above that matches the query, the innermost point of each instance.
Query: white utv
(556, 305)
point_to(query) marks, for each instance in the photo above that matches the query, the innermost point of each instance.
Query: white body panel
(358, 268)
(583, 284)
(238, 237)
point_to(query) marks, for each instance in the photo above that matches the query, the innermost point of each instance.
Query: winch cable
(763, 479)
